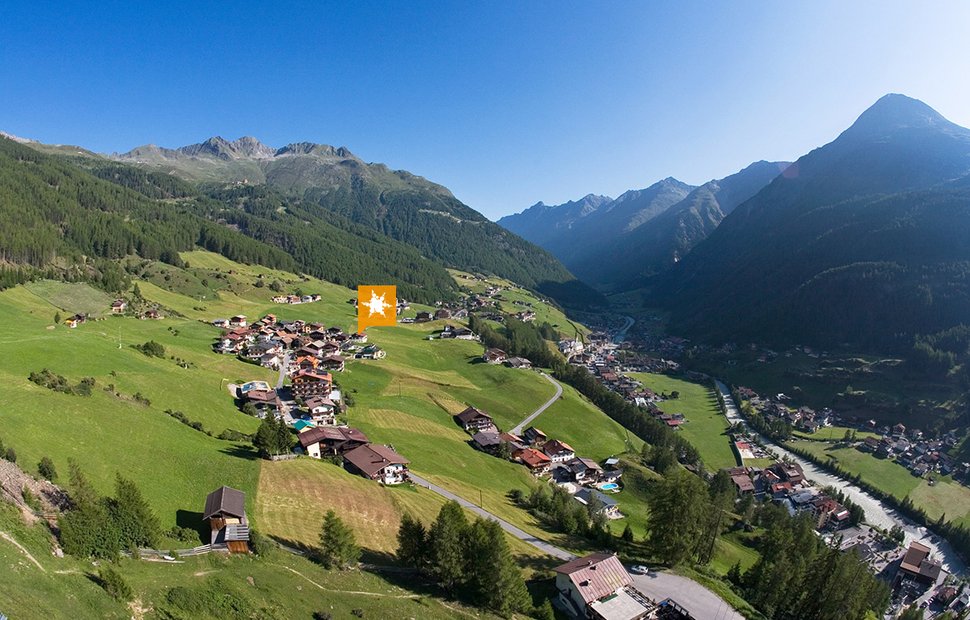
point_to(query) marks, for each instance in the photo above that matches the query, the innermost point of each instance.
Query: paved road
(695, 598)
(283, 366)
(541, 545)
(535, 414)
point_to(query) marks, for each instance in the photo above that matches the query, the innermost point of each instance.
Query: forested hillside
(862, 241)
(615, 245)
(332, 185)
(72, 221)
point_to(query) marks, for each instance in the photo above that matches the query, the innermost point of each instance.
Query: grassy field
(108, 434)
(71, 298)
(706, 426)
(545, 312)
(832, 433)
(944, 497)
(275, 586)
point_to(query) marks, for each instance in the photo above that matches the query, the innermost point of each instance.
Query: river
(877, 513)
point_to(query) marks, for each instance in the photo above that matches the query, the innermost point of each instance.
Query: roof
(743, 482)
(319, 401)
(587, 495)
(372, 458)
(533, 458)
(313, 375)
(225, 501)
(299, 425)
(595, 576)
(470, 414)
(554, 446)
(582, 464)
(487, 438)
(914, 557)
(621, 606)
(331, 433)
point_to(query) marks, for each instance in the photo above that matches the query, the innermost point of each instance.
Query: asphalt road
(541, 545)
(695, 598)
(535, 414)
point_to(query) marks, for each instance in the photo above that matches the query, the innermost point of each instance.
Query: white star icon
(376, 305)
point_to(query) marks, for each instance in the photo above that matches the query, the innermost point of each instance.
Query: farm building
(225, 510)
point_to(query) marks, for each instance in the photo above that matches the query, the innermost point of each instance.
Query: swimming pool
(610, 486)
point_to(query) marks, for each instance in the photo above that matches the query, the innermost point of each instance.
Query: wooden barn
(225, 510)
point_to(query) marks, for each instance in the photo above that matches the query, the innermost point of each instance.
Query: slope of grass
(107, 434)
(944, 497)
(706, 426)
(29, 591)
(276, 586)
(71, 298)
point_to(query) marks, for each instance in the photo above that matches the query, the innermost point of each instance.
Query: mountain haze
(641, 233)
(862, 241)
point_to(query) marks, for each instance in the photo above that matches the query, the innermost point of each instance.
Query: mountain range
(303, 207)
(865, 241)
(403, 206)
(616, 244)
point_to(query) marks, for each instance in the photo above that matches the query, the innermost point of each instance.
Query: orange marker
(376, 305)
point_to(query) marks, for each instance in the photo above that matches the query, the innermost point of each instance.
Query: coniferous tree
(46, 469)
(493, 577)
(338, 546)
(446, 540)
(137, 524)
(679, 509)
(87, 530)
(412, 539)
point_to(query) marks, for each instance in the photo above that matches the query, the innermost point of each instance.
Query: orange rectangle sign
(376, 305)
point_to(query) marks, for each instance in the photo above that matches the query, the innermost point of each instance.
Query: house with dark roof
(474, 419)
(494, 356)
(606, 504)
(598, 586)
(487, 441)
(918, 566)
(331, 440)
(584, 471)
(225, 510)
(377, 462)
(558, 451)
(534, 436)
(322, 410)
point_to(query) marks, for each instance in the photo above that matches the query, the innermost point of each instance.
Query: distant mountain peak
(320, 150)
(10, 136)
(894, 112)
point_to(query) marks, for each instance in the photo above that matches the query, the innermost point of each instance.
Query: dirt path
(23, 550)
(378, 594)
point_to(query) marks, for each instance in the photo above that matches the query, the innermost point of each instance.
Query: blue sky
(505, 103)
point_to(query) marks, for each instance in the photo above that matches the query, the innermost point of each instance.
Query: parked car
(639, 570)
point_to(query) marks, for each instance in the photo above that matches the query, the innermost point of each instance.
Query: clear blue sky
(506, 103)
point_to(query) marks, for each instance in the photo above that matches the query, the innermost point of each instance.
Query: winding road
(535, 414)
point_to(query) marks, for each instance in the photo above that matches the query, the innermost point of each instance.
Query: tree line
(469, 559)
(102, 527)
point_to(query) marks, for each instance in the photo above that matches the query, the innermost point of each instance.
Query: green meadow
(944, 497)
(706, 427)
